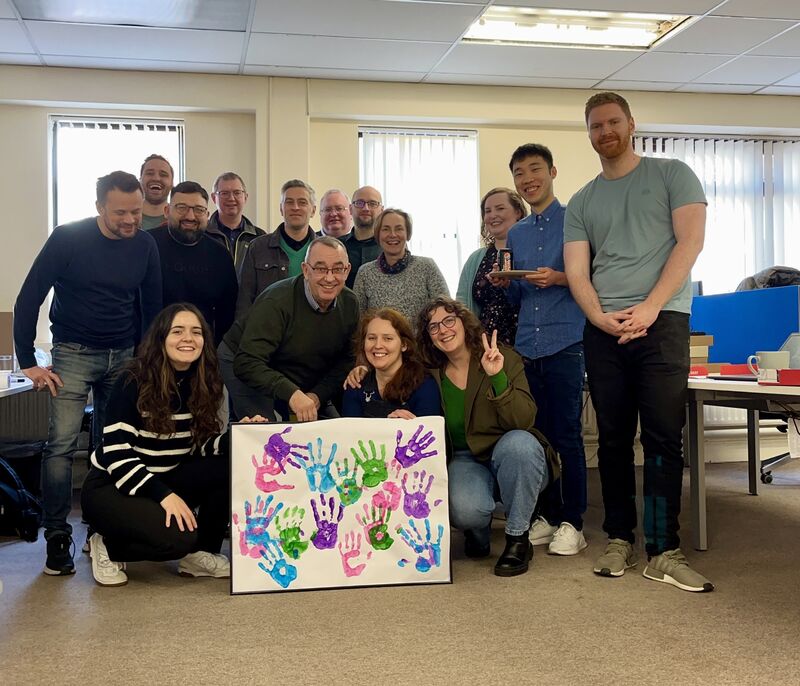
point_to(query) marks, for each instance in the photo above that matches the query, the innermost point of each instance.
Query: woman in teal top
(489, 414)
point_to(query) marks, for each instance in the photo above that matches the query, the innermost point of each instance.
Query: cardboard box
(703, 339)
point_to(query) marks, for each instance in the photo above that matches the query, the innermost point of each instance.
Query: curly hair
(514, 199)
(434, 358)
(412, 372)
(158, 386)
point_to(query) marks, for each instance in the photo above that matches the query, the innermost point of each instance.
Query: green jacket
(488, 417)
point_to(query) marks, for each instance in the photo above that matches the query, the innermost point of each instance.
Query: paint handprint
(351, 555)
(276, 565)
(255, 537)
(376, 527)
(429, 553)
(347, 487)
(318, 470)
(389, 496)
(415, 501)
(408, 455)
(282, 452)
(374, 467)
(268, 467)
(289, 532)
(327, 523)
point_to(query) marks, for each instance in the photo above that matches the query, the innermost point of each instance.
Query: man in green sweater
(295, 346)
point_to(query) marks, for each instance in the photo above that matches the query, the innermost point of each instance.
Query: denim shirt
(549, 319)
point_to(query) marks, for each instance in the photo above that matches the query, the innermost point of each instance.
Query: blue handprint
(429, 554)
(327, 523)
(414, 451)
(276, 565)
(318, 470)
(254, 537)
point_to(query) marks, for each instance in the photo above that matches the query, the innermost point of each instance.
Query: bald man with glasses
(361, 245)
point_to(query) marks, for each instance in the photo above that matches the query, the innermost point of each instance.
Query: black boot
(474, 547)
(515, 557)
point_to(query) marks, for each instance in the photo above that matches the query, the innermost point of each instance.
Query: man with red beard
(156, 177)
(631, 237)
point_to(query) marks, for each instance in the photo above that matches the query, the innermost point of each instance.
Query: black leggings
(133, 527)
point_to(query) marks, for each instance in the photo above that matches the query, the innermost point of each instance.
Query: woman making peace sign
(489, 413)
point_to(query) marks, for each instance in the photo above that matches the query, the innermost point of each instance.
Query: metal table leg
(697, 472)
(753, 450)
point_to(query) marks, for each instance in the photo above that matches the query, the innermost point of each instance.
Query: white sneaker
(106, 572)
(541, 531)
(567, 540)
(203, 563)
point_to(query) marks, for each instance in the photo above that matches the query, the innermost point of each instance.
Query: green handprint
(348, 488)
(289, 532)
(375, 522)
(374, 467)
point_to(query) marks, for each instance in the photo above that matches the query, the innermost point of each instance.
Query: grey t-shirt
(628, 223)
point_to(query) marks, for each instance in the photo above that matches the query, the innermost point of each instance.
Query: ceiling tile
(719, 35)
(345, 74)
(769, 9)
(5, 10)
(13, 38)
(133, 42)
(342, 53)
(514, 60)
(692, 7)
(483, 79)
(793, 80)
(365, 19)
(18, 58)
(621, 85)
(716, 88)
(669, 66)
(785, 45)
(756, 70)
(780, 90)
(140, 64)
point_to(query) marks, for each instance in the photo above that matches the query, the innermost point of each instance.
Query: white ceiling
(735, 46)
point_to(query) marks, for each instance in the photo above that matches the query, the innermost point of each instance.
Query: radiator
(24, 417)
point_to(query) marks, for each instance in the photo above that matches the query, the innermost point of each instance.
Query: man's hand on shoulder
(44, 376)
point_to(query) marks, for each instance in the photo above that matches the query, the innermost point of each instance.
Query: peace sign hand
(492, 360)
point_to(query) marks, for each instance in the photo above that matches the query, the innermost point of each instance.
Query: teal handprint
(347, 486)
(276, 566)
(318, 469)
(374, 467)
(289, 532)
(429, 553)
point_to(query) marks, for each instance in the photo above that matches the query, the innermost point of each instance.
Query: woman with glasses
(489, 413)
(501, 208)
(162, 457)
(397, 279)
(396, 383)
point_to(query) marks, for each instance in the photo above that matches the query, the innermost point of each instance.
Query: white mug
(768, 363)
(5, 378)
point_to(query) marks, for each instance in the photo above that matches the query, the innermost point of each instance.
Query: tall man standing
(97, 267)
(156, 177)
(631, 238)
(361, 245)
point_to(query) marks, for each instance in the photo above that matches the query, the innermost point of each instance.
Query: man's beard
(185, 236)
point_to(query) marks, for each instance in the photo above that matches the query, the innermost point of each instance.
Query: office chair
(774, 462)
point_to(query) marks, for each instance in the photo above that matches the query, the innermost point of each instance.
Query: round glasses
(448, 322)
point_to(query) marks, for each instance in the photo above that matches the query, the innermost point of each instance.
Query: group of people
(300, 325)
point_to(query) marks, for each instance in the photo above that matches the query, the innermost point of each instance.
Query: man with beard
(631, 237)
(194, 268)
(361, 245)
(156, 176)
(99, 268)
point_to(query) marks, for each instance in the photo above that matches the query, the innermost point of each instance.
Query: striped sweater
(134, 457)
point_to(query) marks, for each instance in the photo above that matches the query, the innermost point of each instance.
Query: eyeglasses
(198, 210)
(448, 322)
(230, 194)
(361, 204)
(323, 271)
(338, 209)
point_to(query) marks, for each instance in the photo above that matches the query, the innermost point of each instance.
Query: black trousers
(645, 379)
(133, 527)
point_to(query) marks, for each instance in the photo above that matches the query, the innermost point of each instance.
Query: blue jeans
(556, 383)
(518, 467)
(81, 369)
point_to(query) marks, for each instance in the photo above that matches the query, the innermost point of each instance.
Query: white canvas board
(338, 503)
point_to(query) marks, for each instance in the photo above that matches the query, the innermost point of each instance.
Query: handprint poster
(338, 503)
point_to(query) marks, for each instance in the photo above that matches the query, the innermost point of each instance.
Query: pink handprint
(254, 538)
(388, 497)
(268, 467)
(415, 501)
(376, 527)
(352, 554)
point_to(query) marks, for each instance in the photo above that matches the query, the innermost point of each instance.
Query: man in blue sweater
(100, 269)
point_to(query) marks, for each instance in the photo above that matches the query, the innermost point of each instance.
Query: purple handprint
(408, 455)
(415, 501)
(327, 523)
(429, 553)
(282, 452)
(255, 537)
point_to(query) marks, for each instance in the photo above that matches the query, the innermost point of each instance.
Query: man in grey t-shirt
(631, 237)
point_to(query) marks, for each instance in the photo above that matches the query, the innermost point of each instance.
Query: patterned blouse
(496, 311)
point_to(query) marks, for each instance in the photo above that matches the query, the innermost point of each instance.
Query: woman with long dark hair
(489, 413)
(396, 383)
(162, 457)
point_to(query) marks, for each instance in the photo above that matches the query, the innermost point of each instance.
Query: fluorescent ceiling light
(572, 28)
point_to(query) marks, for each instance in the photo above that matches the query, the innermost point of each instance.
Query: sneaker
(106, 572)
(567, 540)
(203, 563)
(59, 555)
(618, 557)
(542, 531)
(671, 567)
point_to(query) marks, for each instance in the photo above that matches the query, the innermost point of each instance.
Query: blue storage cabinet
(747, 321)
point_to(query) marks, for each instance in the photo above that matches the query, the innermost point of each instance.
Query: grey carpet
(558, 624)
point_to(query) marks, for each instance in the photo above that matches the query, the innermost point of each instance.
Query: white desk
(16, 387)
(746, 395)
